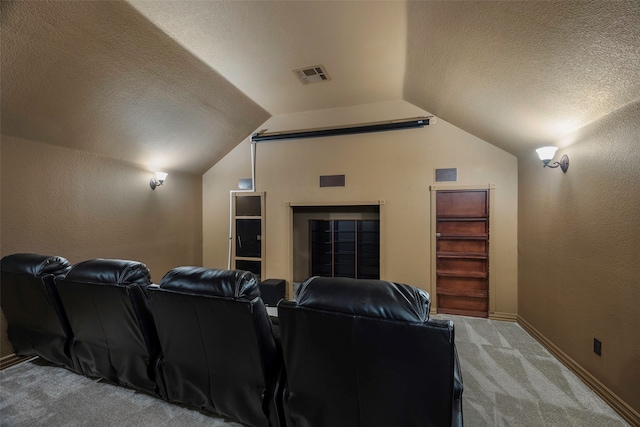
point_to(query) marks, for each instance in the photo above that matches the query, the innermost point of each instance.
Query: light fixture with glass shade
(546, 155)
(158, 180)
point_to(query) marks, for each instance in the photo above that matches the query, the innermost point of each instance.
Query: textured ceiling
(98, 76)
(523, 74)
(257, 44)
(177, 84)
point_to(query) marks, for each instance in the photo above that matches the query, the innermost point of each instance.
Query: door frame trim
(288, 240)
(433, 241)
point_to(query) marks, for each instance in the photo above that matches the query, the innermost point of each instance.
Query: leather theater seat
(365, 353)
(115, 336)
(37, 322)
(219, 350)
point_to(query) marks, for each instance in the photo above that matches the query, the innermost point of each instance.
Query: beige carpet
(512, 380)
(37, 394)
(509, 380)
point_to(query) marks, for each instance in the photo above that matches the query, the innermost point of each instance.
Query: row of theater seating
(347, 352)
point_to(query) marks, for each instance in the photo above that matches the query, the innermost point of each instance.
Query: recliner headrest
(236, 284)
(35, 265)
(372, 298)
(112, 271)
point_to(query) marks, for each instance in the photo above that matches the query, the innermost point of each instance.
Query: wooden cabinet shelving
(345, 248)
(368, 249)
(248, 233)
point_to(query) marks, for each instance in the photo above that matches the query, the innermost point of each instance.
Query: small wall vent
(315, 74)
(446, 175)
(332, 180)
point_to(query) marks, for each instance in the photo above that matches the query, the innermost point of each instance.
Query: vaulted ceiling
(177, 84)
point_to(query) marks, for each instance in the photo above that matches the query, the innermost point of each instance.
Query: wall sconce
(547, 153)
(158, 180)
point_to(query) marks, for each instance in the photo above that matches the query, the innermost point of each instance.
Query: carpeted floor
(35, 393)
(512, 380)
(509, 380)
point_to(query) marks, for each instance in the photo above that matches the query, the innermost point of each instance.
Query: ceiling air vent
(313, 74)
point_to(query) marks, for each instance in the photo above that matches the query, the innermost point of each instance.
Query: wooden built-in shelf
(472, 274)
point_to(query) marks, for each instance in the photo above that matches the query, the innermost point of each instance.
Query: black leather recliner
(365, 353)
(115, 336)
(219, 352)
(37, 322)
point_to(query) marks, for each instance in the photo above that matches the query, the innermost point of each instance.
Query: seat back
(115, 336)
(219, 351)
(36, 320)
(364, 353)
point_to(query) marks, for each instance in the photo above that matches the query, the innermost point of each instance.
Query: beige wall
(397, 167)
(579, 250)
(77, 205)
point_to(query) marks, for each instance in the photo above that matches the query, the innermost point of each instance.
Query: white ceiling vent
(313, 74)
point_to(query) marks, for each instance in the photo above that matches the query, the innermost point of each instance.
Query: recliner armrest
(456, 416)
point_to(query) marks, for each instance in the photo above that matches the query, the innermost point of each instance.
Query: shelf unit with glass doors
(248, 243)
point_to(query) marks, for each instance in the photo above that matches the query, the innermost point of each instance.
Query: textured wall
(77, 205)
(579, 249)
(397, 167)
